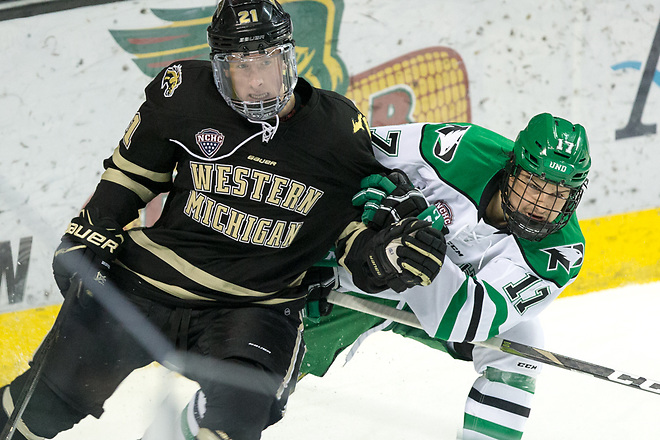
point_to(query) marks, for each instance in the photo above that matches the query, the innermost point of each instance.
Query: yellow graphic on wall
(427, 85)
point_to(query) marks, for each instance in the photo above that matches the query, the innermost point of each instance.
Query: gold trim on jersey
(128, 166)
(116, 176)
(352, 231)
(181, 293)
(184, 294)
(189, 270)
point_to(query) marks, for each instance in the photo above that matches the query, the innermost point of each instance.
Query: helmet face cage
(535, 207)
(257, 84)
(245, 37)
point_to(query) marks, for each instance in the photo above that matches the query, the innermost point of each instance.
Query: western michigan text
(256, 185)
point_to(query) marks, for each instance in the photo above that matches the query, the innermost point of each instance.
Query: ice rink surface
(396, 388)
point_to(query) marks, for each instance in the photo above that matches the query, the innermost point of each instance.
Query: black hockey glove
(388, 199)
(318, 282)
(86, 251)
(405, 254)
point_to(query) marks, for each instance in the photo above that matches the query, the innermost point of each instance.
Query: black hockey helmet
(253, 39)
(248, 25)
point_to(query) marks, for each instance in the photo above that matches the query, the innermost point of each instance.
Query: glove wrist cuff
(101, 241)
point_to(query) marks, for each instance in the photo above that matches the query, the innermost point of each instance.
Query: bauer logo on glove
(408, 253)
(88, 235)
(86, 250)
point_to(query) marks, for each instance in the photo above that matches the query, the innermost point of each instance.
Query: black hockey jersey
(248, 210)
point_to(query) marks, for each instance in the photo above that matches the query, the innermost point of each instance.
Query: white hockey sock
(498, 406)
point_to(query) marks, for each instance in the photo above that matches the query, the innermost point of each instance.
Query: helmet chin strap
(267, 131)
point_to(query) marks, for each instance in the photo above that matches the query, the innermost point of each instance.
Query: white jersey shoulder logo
(567, 256)
(449, 136)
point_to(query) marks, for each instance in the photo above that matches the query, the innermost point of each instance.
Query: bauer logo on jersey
(449, 136)
(209, 141)
(171, 80)
(568, 256)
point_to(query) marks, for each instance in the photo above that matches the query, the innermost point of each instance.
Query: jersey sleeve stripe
(128, 166)
(501, 310)
(450, 315)
(187, 269)
(476, 312)
(346, 240)
(115, 176)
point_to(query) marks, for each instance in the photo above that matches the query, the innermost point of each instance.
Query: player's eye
(564, 194)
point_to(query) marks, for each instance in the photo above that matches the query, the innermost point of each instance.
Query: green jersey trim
(558, 257)
(450, 149)
(501, 307)
(449, 318)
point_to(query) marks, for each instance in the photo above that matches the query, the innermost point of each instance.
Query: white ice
(395, 388)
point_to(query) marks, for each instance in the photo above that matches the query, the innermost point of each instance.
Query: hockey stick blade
(504, 345)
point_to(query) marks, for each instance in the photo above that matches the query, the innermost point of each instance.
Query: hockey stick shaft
(504, 345)
(38, 364)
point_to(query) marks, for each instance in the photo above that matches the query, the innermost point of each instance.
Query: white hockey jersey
(490, 281)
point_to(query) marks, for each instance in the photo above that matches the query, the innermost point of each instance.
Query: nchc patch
(209, 140)
(446, 211)
(171, 80)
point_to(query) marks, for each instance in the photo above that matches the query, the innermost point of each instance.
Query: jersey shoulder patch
(451, 149)
(449, 138)
(187, 88)
(558, 257)
(172, 79)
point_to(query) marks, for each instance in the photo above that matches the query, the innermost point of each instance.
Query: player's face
(536, 198)
(257, 77)
(259, 85)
